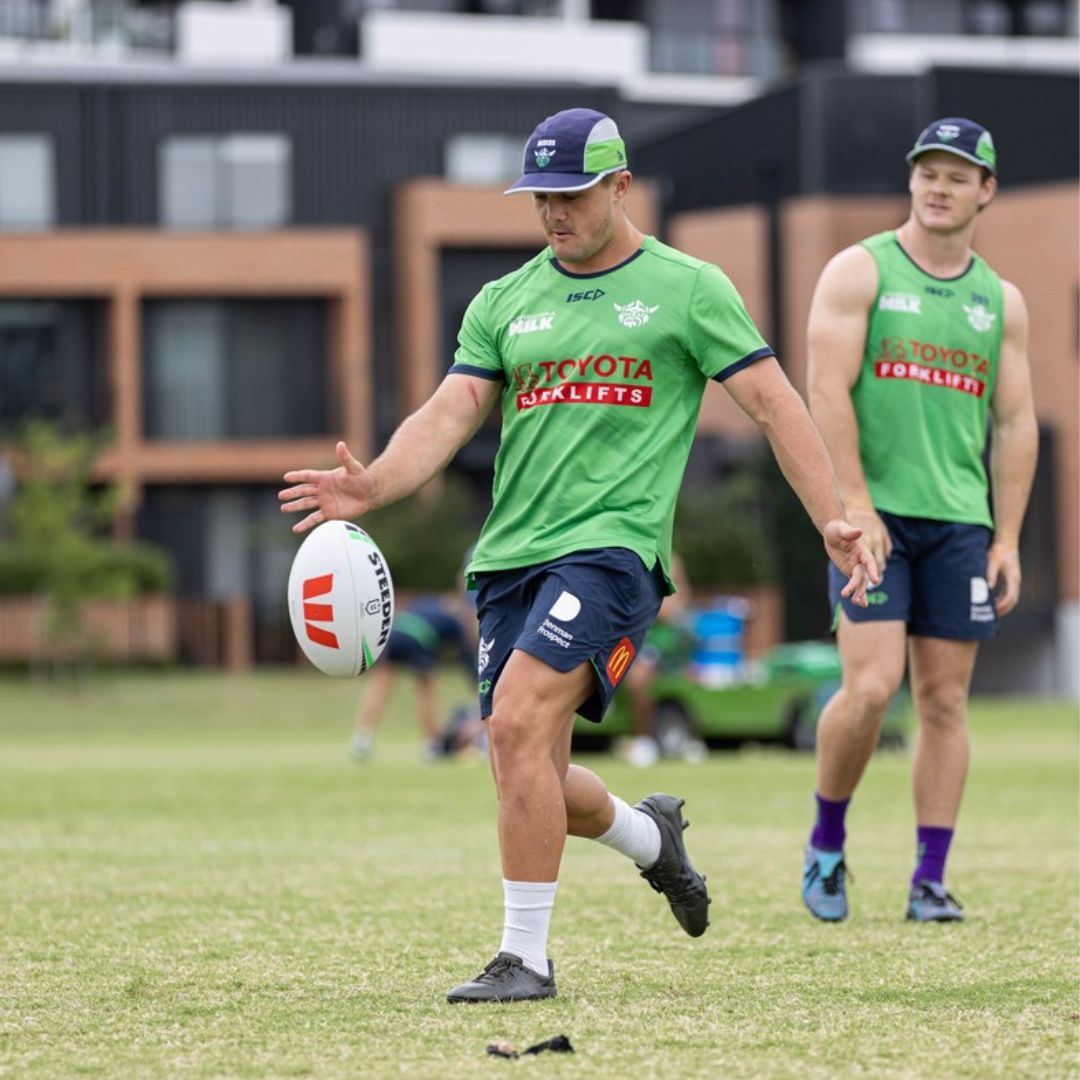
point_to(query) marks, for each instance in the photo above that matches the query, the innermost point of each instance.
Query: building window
(234, 369)
(714, 37)
(27, 182)
(225, 541)
(52, 363)
(1041, 18)
(989, 17)
(237, 181)
(997, 18)
(483, 158)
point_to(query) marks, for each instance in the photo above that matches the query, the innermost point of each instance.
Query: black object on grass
(558, 1045)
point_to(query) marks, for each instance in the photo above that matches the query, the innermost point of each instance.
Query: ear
(987, 191)
(623, 179)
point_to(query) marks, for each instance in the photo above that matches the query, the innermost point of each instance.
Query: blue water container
(720, 658)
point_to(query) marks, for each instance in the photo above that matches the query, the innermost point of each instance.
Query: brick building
(231, 273)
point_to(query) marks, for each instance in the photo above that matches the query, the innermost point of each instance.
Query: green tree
(721, 533)
(802, 564)
(57, 518)
(425, 536)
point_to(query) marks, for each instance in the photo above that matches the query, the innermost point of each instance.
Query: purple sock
(828, 834)
(933, 850)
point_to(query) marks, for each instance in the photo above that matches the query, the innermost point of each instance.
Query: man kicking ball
(598, 351)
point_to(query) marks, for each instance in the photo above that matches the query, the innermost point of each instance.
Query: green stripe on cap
(984, 151)
(604, 154)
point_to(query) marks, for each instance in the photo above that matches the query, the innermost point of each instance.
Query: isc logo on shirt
(530, 324)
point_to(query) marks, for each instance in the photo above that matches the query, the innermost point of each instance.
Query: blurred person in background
(426, 631)
(668, 647)
(574, 558)
(913, 341)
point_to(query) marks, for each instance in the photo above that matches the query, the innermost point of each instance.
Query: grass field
(198, 882)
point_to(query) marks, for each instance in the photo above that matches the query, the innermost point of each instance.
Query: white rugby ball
(341, 599)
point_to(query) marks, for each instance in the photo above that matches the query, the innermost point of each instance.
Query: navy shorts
(593, 606)
(934, 581)
(407, 651)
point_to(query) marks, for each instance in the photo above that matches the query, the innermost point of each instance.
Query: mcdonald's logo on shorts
(619, 660)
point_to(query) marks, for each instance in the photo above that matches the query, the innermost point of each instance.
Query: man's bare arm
(836, 340)
(1013, 451)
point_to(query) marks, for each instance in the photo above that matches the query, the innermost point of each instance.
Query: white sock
(633, 833)
(527, 907)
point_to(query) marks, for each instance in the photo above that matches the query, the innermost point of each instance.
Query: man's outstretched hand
(1003, 576)
(328, 494)
(845, 546)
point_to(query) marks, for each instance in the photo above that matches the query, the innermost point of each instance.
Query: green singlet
(923, 395)
(603, 376)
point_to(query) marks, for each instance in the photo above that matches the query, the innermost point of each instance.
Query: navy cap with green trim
(571, 151)
(959, 136)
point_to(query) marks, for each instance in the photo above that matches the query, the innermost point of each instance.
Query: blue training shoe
(929, 902)
(824, 891)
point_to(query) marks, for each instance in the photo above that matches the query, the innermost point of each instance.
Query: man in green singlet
(913, 342)
(597, 351)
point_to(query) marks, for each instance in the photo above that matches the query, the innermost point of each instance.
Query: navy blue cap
(959, 136)
(571, 151)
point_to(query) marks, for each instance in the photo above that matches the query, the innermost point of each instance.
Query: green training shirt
(923, 394)
(603, 377)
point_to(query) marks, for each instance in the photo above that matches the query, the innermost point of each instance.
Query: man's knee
(870, 693)
(509, 730)
(942, 704)
(873, 656)
(521, 728)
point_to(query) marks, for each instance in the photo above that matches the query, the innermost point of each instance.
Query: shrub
(106, 570)
(22, 570)
(426, 536)
(720, 532)
(57, 517)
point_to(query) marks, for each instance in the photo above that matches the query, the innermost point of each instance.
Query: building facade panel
(347, 137)
(130, 269)
(374, 231)
(736, 241)
(814, 229)
(57, 114)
